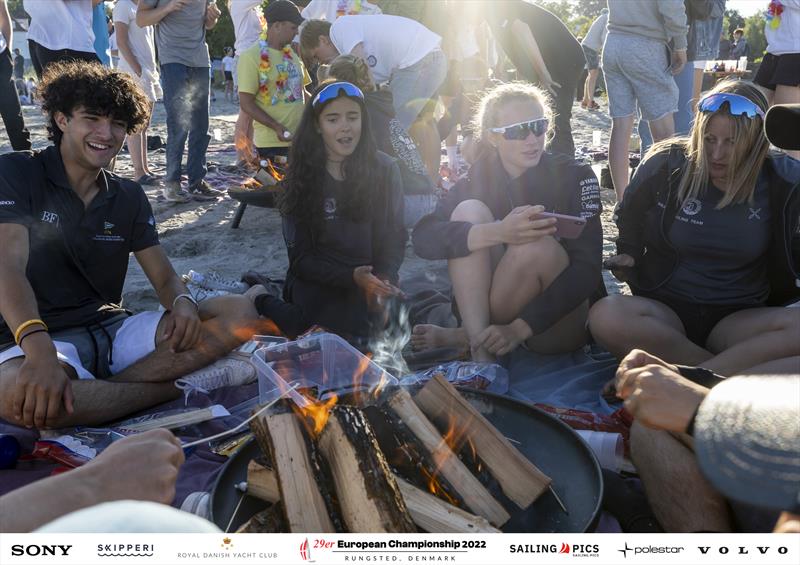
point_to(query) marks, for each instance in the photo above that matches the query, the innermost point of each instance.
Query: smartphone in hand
(568, 227)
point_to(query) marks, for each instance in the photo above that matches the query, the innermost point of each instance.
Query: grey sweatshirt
(664, 20)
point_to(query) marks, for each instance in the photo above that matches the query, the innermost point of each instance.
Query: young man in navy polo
(69, 353)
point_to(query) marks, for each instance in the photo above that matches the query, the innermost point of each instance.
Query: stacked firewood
(355, 469)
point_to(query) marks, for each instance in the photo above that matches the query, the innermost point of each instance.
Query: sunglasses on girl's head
(738, 105)
(334, 90)
(522, 129)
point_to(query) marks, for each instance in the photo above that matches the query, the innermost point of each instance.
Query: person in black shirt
(544, 52)
(709, 244)
(514, 280)
(342, 220)
(67, 228)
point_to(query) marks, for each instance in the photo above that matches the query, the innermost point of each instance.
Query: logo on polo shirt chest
(107, 235)
(51, 218)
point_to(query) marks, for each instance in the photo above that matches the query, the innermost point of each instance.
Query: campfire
(385, 460)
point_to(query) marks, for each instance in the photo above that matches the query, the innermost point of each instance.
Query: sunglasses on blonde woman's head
(738, 105)
(521, 130)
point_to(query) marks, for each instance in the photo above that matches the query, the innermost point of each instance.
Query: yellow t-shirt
(285, 102)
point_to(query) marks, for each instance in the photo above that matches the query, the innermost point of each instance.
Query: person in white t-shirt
(60, 30)
(227, 70)
(332, 9)
(248, 22)
(138, 59)
(398, 50)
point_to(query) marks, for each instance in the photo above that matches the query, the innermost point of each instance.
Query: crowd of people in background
(355, 101)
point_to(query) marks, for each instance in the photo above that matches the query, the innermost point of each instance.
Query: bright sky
(747, 7)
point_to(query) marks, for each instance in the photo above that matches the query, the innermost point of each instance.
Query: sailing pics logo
(305, 551)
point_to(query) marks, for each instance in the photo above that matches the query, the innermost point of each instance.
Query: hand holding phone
(568, 227)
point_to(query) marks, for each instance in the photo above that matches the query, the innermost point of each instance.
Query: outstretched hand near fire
(374, 287)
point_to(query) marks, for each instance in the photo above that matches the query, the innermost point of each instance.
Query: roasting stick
(243, 424)
(558, 499)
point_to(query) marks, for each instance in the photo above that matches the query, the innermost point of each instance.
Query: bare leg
(662, 128)
(681, 498)
(137, 146)
(96, 401)
(785, 366)
(228, 321)
(426, 136)
(588, 87)
(787, 95)
(621, 130)
(753, 337)
(622, 323)
(472, 278)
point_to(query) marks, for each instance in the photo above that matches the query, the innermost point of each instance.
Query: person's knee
(606, 317)
(473, 211)
(8, 377)
(545, 256)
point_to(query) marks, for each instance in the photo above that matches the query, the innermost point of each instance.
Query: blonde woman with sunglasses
(709, 244)
(515, 279)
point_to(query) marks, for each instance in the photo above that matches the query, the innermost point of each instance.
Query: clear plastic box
(321, 360)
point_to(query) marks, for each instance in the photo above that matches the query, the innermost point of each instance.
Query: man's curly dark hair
(68, 85)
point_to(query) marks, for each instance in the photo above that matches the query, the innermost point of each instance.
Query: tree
(561, 8)
(754, 34)
(222, 35)
(733, 20)
(589, 8)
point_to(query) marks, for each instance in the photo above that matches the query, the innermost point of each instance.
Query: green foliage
(732, 20)
(222, 35)
(561, 8)
(754, 34)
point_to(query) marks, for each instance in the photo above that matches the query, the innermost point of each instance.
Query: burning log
(281, 436)
(469, 488)
(261, 483)
(368, 495)
(521, 480)
(435, 516)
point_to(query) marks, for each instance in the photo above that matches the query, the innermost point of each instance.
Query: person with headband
(708, 244)
(515, 281)
(342, 221)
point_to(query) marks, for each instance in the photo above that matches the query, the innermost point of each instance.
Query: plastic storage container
(321, 360)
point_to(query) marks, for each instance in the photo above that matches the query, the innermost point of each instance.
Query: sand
(198, 236)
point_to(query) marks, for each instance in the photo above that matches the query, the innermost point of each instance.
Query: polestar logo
(625, 551)
(755, 214)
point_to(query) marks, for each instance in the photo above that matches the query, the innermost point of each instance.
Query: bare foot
(428, 336)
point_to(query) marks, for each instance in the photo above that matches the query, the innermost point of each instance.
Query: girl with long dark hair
(342, 220)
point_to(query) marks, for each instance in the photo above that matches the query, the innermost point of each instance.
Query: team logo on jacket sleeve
(590, 197)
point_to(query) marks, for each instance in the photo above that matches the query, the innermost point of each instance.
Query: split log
(261, 483)
(269, 521)
(520, 480)
(368, 495)
(435, 516)
(469, 488)
(303, 504)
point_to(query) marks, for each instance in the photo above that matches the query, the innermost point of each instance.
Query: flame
(435, 487)
(251, 183)
(315, 414)
(245, 149)
(275, 173)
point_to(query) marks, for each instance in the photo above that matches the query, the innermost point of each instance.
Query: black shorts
(228, 75)
(699, 319)
(42, 56)
(592, 58)
(778, 70)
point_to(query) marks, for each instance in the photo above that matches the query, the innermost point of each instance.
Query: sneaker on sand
(173, 192)
(212, 280)
(202, 191)
(201, 293)
(232, 370)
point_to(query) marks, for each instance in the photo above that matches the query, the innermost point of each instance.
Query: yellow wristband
(25, 325)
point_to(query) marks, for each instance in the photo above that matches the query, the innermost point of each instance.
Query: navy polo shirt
(78, 255)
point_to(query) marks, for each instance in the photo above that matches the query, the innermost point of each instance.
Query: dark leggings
(42, 56)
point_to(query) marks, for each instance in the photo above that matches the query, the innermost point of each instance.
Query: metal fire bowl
(549, 443)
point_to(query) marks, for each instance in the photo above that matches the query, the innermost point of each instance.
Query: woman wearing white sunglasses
(515, 280)
(709, 244)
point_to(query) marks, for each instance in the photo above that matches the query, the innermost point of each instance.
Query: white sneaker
(231, 370)
(212, 280)
(201, 293)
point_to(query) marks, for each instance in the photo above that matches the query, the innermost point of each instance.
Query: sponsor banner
(465, 549)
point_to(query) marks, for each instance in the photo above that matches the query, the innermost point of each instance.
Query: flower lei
(264, 68)
(773, 15)
(341, 8)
